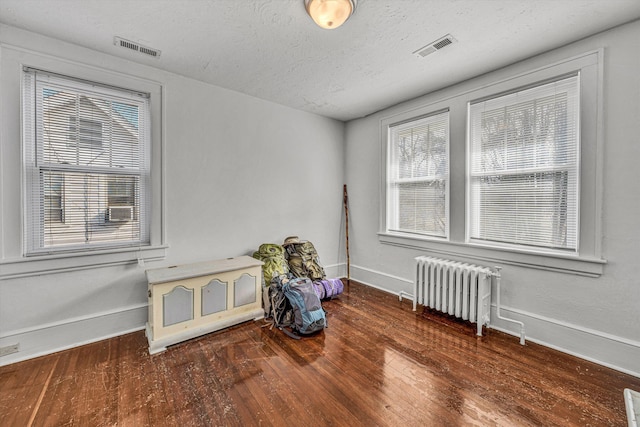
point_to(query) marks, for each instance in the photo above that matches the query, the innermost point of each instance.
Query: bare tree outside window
(524, 167)
(418, 174)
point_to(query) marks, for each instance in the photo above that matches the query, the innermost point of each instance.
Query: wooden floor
(378, 364)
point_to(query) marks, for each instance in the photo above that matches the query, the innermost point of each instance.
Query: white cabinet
(190, 300)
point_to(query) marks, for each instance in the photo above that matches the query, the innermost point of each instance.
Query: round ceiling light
(330, 14)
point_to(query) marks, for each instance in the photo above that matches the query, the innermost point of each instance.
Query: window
(53, 198)
(121, 198)
(87, 149)
(121, 191)
(85, 131)
(418, 176)
(523, 168)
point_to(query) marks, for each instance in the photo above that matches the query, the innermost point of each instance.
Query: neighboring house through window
(85, 131)
(121, 198)
(87, 150)
(53, 187)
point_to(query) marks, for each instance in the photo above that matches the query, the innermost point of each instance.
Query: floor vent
(128, 44)
(435, 46)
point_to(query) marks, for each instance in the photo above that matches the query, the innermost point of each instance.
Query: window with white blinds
(418, 176)
(87, 173)
(524, 167)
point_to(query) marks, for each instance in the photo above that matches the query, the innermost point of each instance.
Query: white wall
(239, 172)
(597, 318)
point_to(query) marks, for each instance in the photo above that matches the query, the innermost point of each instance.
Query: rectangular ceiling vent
(435, 46)
(128, 44)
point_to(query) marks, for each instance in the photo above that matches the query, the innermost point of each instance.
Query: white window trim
(432, 178)
(34, 164)
(13, 262)
(573, 169)
(385, 125)
(588, 259)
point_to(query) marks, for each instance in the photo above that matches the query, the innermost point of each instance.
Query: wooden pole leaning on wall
(345, 200)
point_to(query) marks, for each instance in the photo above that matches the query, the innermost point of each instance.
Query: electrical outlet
(9, 349)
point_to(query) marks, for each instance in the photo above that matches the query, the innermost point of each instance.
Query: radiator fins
(455, 288)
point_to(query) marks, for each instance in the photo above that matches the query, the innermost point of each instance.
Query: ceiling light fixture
(330, 14)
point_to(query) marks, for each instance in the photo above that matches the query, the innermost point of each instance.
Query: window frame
(13, 260)
(572, 170)
(587, 261)
(46, 152)
(392, 207)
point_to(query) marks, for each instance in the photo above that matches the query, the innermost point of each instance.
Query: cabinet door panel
(244, 290)
(214, 297)
(177, 306)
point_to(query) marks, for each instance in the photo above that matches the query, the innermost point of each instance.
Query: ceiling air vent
(128, 44)
(435, 46)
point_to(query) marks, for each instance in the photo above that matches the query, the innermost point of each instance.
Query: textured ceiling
(272, 50)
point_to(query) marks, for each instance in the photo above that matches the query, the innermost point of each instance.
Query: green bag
(303, 259)
(275, 263)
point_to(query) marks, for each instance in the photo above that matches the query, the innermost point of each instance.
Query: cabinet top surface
(186, 271)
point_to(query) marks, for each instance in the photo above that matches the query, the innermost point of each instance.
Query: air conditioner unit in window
(120, 213)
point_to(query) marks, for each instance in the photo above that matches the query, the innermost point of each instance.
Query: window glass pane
(121, 191)
(524, 167)
(53, 184)
(88, 131)
(87, 173)
(541, 198)
(417, 175)
(84, 130)
(422, 207)
(88, 218)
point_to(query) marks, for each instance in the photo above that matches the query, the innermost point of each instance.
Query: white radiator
(460, 289)
(456, 288)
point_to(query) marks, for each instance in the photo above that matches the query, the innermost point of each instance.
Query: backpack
(303, 259)
(308, 314)
(275, 263)
(280, 309)
(285, 315)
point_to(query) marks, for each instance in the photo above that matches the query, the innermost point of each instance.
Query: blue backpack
(308, 314)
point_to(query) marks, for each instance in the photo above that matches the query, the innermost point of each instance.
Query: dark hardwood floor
(377, 364)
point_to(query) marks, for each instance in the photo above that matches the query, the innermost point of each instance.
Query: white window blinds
(86, 153)
(523, 167)
(418, 176)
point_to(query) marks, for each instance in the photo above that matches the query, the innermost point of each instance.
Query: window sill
(580, 265)
(49, 264)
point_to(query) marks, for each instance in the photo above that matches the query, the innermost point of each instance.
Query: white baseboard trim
(605, 349)
(73, 320)
(392, 284)
(335, 270)
(619, 353)
(595, 346)
(48, 338)
(57, 336)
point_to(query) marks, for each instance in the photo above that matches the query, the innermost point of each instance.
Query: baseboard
(373, 278)
(53, 337)
(335, 270)
(605, 349)
(50, 338)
